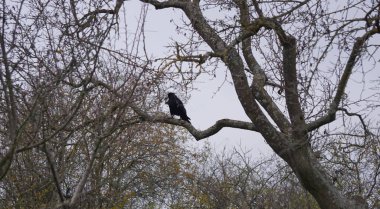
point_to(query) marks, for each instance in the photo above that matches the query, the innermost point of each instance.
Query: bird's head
(170, 95)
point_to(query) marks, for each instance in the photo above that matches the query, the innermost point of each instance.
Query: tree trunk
(314, 179)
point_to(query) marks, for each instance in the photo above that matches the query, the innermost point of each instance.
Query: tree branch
(292, 9)
(198, 135)
(259, 76)
(85, 21)
(166, 4)
(86, 174)
(118, 5)
(289, 70)
(53, 172)
(257, 8)
(366, 130)
(10, 101)
(355, 53)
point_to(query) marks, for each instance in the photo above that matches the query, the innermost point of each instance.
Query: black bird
(176, 107)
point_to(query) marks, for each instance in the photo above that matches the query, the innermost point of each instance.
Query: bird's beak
(167, 100)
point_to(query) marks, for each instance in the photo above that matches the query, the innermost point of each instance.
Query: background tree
(235, 180)
(68, 136)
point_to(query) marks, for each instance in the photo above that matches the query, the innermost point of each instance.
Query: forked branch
(333, 108)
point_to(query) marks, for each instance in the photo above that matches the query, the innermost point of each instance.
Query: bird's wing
(178, 102)
(181, 107)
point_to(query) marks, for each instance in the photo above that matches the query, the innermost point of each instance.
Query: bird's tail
(185, 118)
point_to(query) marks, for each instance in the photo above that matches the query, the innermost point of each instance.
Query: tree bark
(314, 180)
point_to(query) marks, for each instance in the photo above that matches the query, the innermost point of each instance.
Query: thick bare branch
(257, 8)
(198, 135)
(10, 101)
(259, 76)
(289, 55)
(166, 4)
(355, 53)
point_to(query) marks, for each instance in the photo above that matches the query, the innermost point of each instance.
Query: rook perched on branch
(176, 107)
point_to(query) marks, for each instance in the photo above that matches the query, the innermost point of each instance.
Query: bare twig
(366, 130)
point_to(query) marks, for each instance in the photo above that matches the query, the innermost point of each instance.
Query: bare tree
(291, 63)
(79, 112)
